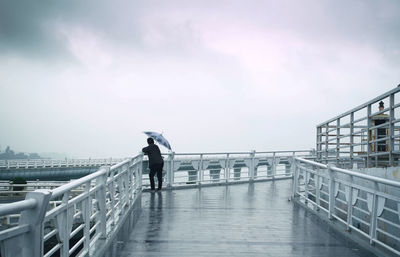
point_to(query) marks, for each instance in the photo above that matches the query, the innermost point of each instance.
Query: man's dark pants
(156, 168)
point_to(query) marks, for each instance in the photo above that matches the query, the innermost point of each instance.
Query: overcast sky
(87, 77)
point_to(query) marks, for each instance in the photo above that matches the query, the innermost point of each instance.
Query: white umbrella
(159, 138)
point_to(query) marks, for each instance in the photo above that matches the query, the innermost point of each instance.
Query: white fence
(92, 208)
(368, 135)
(210, 168)
(366, 204)
(198, 168)
(49, 163)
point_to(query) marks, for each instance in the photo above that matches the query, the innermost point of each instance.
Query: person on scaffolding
(156, 163)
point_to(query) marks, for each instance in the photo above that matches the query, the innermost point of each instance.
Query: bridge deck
(238, 220)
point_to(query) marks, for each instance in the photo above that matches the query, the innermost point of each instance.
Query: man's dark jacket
(154, 155)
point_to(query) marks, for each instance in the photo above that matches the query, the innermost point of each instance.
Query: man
(156, 163)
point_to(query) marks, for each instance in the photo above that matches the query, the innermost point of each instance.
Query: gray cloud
(30, 27)
(26, 29)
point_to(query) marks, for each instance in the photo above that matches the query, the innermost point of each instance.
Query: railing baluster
(373, 213)
(140, 172)
(111, 191)
(351, 140)
(86, 214)
(170, 170)
(227, 168)
(200, 171)
(326, 142)
(252, 165)
(64, 225)
(273, 167)
(337, 141)
(295, 177)
(331, 191)
(391, 130)
(318, 180)
(369, 135)
(126, 186)
(101, 198)
(306, 176)
(350, 204)
(33, 242)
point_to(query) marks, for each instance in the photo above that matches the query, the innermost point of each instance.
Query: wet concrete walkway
(238, 220)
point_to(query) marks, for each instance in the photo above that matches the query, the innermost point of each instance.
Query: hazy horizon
(86, 78)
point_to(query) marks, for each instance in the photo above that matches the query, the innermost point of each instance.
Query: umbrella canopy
(159, 138)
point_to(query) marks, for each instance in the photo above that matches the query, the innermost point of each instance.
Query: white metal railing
(187, 170)
(50, 163)
(181, 169)
(368, 135)
(90, 209)
(367, 204)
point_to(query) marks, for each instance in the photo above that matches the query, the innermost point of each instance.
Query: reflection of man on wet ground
(156, 163)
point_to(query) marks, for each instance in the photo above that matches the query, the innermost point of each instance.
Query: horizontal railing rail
(52, 163)
(19, 206)
(366, 204)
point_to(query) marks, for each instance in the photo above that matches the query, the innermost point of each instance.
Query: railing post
(227, 168)
(86, 217)
(350, 205)
(351, 140)
(306, 179)
(140, 172)
(111, 191)
(317, 189)
(289, 171)
(337, 141)
(373, 214)
(369, 136)
(273, 166)
(126, 185)
(200, 172)
(326, 143)
(33, 240)
(131, 179)
(170, 170)
(331, 191)
(391, 130)
(64, 225)
(295, 177)
(252, 165)
(101, 198)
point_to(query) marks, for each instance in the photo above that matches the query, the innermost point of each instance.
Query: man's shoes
(152, 190)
